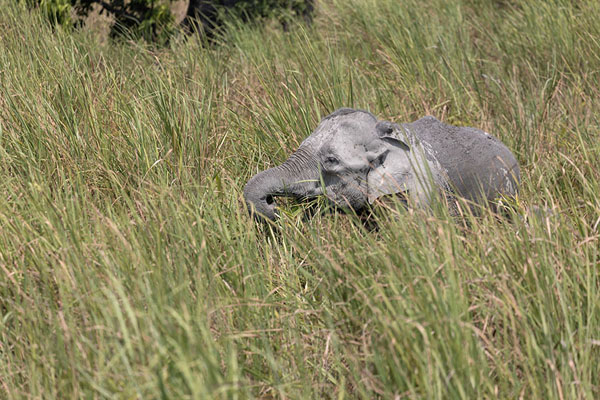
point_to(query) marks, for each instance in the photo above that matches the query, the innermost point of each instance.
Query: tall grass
(130, 269)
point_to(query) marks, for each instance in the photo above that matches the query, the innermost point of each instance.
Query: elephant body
(354, 159)
(477, 165)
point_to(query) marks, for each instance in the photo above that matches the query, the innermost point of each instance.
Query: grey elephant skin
(353, 159)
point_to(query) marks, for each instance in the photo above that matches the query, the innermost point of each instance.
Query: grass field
(129, 267)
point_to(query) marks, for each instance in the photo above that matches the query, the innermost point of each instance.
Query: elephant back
(478, 166)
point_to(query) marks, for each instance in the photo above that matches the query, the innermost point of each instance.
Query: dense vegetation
(211, 16)
(130, 269)
(153, 20)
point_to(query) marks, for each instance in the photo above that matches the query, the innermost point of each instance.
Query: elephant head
(352, 159)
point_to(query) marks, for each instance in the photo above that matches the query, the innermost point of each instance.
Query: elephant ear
(402, 168)
(394, 134)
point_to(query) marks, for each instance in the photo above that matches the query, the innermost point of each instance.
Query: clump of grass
(130, 268)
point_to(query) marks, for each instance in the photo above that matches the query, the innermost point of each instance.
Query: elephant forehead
(353, 136)
(355, 128)
(354, 142)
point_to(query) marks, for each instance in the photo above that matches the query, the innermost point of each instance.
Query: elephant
(354, 159)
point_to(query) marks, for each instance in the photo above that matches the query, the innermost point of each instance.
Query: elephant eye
(331, 161)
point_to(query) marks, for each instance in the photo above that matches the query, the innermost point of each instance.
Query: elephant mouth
(382, 182)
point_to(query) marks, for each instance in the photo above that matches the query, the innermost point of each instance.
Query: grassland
(130, 269)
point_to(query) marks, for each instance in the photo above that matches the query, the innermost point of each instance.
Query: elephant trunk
(297, 177)
(260, 191)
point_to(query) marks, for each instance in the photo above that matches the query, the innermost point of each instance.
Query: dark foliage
(153, 21)
(209, 16)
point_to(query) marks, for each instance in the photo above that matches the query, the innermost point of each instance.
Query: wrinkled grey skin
(353, 159)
